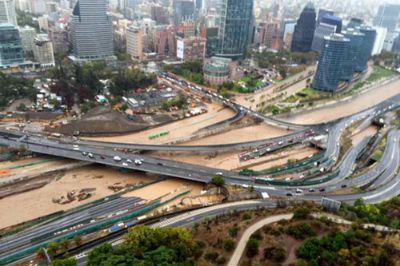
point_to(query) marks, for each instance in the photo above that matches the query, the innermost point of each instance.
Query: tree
(52, 248)
(64, 244)
(218, 181)
(252, 247)
(229, 244)
(22, 107)
(64, 262)
(301, 213)
(78, 240)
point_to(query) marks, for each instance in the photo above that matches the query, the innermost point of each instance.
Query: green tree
(52, 248)
(64, 262)
(229, 244)
(252, 247)
(218, 181)
(22, 107)
(78, 240)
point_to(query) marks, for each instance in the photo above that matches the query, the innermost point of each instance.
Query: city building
(366, 49)
(164, 41)
(134, 43)
(217, 70)
(379, 40)
(321, 31)
(303, 34)
(354, 23)
(7, 12)
(92, 36)
(389, 41)
(43, 51)
(388, 16)
(27, 35)
(332, 20)
(396, 45)
(37, 7)
(288, 26)
(330, 65)
(236, 28)
(159, 14)
(187, 29)
(356, 39)
(212, 41)
(183, 10)
(191, 48)
(269, 35)
(59, 38)
(322, 12)
(43, 22)
(11, 50)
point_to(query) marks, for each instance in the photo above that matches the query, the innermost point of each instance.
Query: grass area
(378, 73)
(379, 150)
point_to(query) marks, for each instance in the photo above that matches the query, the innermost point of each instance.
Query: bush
(246, 216)
(233, 231)
(229, 244)
(300, 231)
(220, 260)
(252, 247)
(301, 213)
(211, 256)
(277, 254)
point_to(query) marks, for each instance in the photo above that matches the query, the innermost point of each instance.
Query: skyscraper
(366, 48)
(11, 50)
(134, 43)
(304, 31)
(330, 66)
(333, 20)
(92, 36)
(7, 12)
(321, 31)
(236, 28)
(43, 50)
(356, 39)
(183, 10)
(387, 17)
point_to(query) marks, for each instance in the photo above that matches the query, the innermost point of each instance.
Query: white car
(91, 155)
(299, 191)
(138, 162)
(84, 153)
(124, 164)
(129, 161)
(117, 158)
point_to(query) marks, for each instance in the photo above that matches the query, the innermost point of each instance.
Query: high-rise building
(388, 16)
(354, 23)
(7, 12)
(134, 43)
(37, 7)
(27, 35)
(396, 45)
(236, 28)
(159, 14)
(269, 34)
(183, 10)
(92, 36)
(43, 50)
(304, 30)
(191, 48)
(59, 38)
(330, 65)
(366, 48)
(356, 39)
(333, 20)
(322, 12)
(321, 31)
(379, 40)
(11, 50)
(43, 22)
(212, 41)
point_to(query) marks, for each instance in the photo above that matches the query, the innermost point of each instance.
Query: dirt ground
(358, 104)
(256, 132)
(230, 161)
(177, 130)
(370, 131)
(164, 187)
(36, 203)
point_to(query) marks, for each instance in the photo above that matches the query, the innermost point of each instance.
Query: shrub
(300, 231)
(220, 260)
(301, 213)
(229, 244)
(275, 253)
(233, 231)
(211, 256)
(246, 216)
(252, 247)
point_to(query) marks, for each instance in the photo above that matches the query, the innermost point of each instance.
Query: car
(160, 164)
(117, 158)
(289, 194)
(299, 191)
(344, 186)
(311, 190)
(280, 142)
(75, 148)
(219, 174)
(124, 164)
(129, 161)
(138, 162)
(102, 157)
(91, 155)
(84, 153)
(322, 190)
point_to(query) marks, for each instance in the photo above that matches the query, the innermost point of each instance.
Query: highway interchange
(380, 182)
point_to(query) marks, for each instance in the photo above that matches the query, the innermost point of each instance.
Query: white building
(134, 42)
(27, 35)
(43, 51)
(379, 40)
(7, 12)
(37, 7)
(44, 22)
